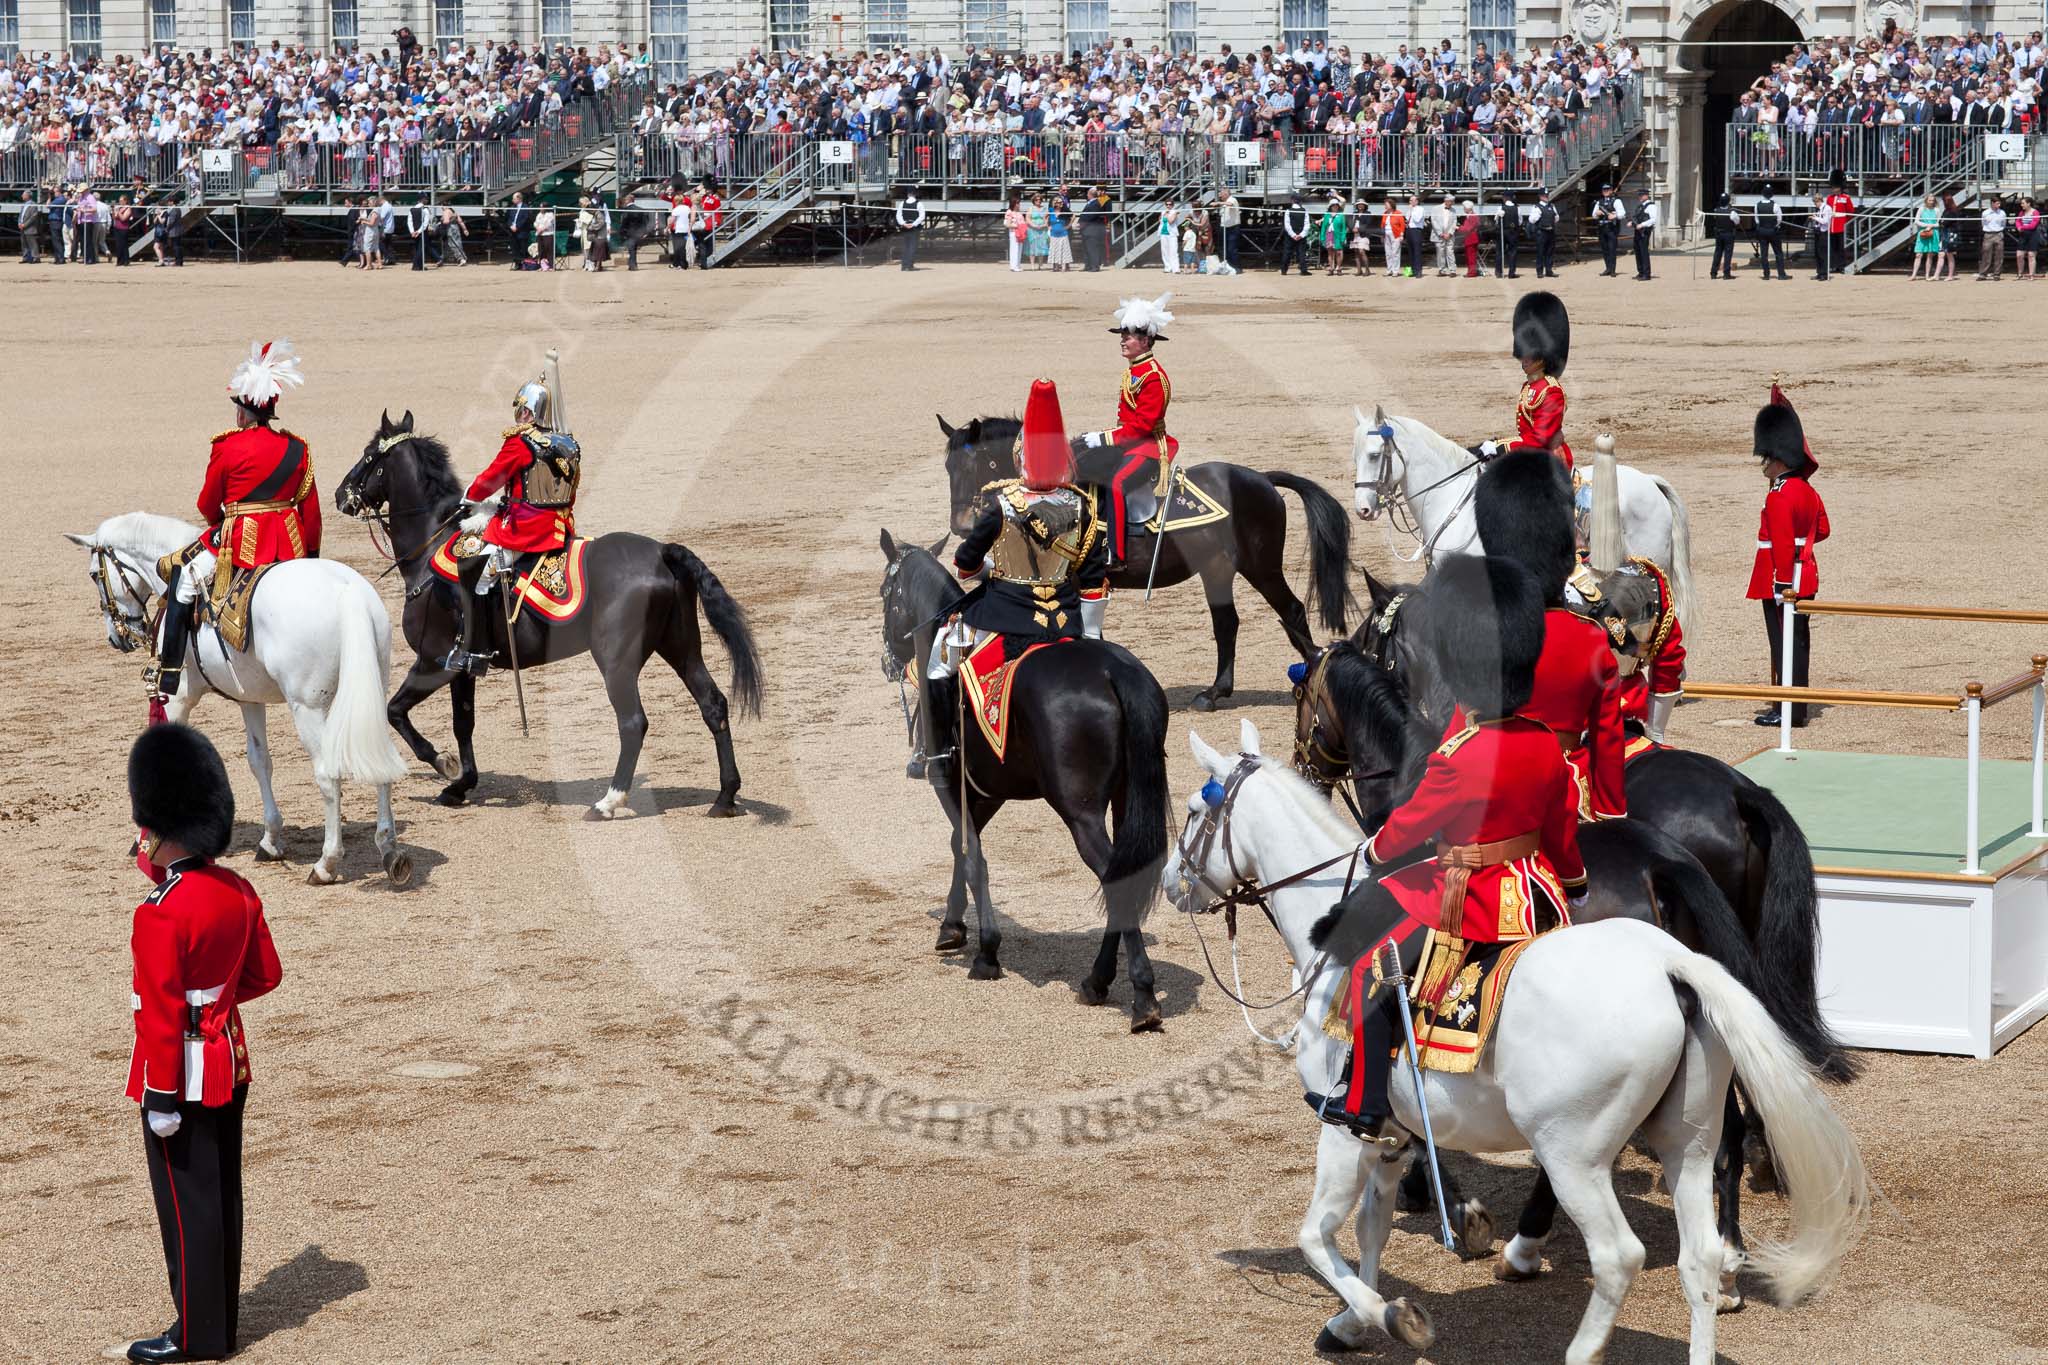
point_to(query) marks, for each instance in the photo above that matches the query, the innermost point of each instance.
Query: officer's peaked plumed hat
(1523, 510)
(1780, 437)
(1144, 315)
(1046, 460)
(178, 789)
(259, 381)
(1484, 622)
(1543, 329)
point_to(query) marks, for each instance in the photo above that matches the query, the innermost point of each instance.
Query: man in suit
(1393, 147)
(31, 224)
(1294, 226)
(1607, 215)
(518, 226)
(1094, 216)
(418, 224)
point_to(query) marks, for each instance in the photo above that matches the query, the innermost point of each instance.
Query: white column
(1973, 703)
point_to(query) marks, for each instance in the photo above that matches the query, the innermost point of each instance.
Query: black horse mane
(436, 469)
(929, 586)
(1374, 704)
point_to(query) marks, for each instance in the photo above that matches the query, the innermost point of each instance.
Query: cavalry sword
(512, 649)
(1389, 963)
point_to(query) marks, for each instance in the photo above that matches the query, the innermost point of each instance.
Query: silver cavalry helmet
(534, 397)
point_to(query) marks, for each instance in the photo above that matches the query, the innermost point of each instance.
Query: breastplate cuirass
(1043, 538)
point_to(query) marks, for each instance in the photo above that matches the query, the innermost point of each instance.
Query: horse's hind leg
(256, 730)
(1216, 587)
(462, 709)
(1728, 1185)
(1271, 584)
(682, 649)
(327, 870)
(1091, 841)
(622, 685)
(1686, 1144)
(1584, 1182)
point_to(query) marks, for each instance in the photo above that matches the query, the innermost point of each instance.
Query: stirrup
(1380, 1131)
(462, 661)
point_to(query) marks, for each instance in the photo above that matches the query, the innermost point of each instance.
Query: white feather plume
(267, 373)
(1145, 315)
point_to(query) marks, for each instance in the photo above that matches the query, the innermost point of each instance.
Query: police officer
(1770, 233)
(200, 950)
(1644, 223)
(1510, 238)
(1722, 221)
(1607, 215)
(1546, 237)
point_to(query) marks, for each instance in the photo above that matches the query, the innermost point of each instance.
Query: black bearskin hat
(1778, 437)
(1837, 180)
(178, 790)
(1523, 509)
(1543, 329)
(1485, 627)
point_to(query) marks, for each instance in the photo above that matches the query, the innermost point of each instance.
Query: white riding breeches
(497, 560)
(196, 577)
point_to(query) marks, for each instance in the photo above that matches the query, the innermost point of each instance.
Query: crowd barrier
(1928, 152)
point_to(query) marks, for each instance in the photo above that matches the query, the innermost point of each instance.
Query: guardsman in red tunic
(1794, 521)
(527, 498)
(258, 499)
(1543, 342)
(200, 949)
(1523, 511)
(1132, 451)
(1494, 802)
(1652, 688)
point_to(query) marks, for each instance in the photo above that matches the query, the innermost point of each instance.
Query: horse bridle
(1400, 504)
(1323, 766)
(139, 629)
(379, 518)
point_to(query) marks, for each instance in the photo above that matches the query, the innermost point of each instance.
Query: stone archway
(1726, 45)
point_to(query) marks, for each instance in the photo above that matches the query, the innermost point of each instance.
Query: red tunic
(258, 499)
(1141, 412)
(1539, 416)
(518, 525)
(199, 942)
(1496, 780)
(1578, 695)
(1794, 522)
(1661, 671)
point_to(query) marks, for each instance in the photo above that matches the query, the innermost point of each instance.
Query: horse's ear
(1358, 414)
(384, 423)
(889, 546)
(939, 545)
(77, 539)
(1381, 593)
(405, 422)
(946, 427)
(1213, 763)
(1379, 415)
(973, 430)
(1248, 738)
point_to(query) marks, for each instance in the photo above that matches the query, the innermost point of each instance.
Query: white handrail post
(2040, 713)
(1973, 703)
(1791, 609)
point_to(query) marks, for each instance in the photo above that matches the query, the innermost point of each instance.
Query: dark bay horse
(1087, 736)
(643, 597)
(1252, 541)
(1354, 723)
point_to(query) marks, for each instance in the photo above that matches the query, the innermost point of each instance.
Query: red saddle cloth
(986, 681)
(551, 583)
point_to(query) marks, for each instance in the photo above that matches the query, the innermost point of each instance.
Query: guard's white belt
(206, 997)
(1765, 544)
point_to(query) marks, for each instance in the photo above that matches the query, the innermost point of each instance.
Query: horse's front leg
(256, 730)
(1217, 588)
(953, 925)
(986, 966)
(1343, 1166)
(423, 680)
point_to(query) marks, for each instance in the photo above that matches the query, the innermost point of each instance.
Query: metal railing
(1869, 158)
(103, 165)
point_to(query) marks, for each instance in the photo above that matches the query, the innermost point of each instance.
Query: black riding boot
(1368, 1066)
(938, 730)
(462, 658)
(170, 669)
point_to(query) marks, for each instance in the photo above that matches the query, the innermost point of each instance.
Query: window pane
(242, 22)
(447, 21)
(1087, 24)
(789, 23)
(344, 21)
(1304, 21)
(888, 23)
(668, 29)
(1180, 25)
(163, 22)
(554, 22)
(987, 24)
(1492, 26)
(10, 29)
(84, 29)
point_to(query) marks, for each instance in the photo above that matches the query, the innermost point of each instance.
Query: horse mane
(927, 580)
(1453, 453)
(146, 535)
(1310, 805)
(1372, 701)
(436, 469)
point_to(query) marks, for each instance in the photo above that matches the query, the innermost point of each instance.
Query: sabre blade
(1389, 962)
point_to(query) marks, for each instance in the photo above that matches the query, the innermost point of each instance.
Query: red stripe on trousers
(1116, 497)
(1361, 972)
(184, 1267)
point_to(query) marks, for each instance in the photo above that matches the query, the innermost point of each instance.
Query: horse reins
(1400, 503)
(1319, 765)
(379, 518)
(138, 630)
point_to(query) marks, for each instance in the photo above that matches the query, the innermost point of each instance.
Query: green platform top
(1888, 813)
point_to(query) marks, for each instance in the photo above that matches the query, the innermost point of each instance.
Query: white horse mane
(1453, 453)
(1310, 804)
(146, 535)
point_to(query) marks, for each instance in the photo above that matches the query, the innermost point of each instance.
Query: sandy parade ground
(670, 1088)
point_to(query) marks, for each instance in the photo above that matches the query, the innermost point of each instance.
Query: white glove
(1092, 439)
(164, 1124)
(1489, 449)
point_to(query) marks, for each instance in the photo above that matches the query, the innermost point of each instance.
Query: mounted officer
(258, 500)
(534, 478)
(1130, 453)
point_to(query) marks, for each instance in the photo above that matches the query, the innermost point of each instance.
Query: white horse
(1400, 464)
(1570, 1074)
(320, 644)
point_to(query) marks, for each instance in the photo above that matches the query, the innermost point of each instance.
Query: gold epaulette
(520, 429)
(232, 431)
(1455, 742)
(999, 485)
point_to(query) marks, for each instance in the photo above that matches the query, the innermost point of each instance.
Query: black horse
(1252, 541)
(1087, 736)
(642, 600)
(1354, 724)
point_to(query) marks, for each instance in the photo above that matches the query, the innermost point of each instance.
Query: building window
(668, 36)
(1087, 24)
(163, 23)
(10, 29)
(789, 24)
(986, 23)
(1491, 25)
(888, 23)
(343, 18)
(554, 23)
(447, 22)
(1303, 22)
(82, 28)
(242, 23)
(1180, 25)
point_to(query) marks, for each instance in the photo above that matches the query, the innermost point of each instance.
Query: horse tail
(728, 621)
(1138, 851)
(1329, 547)
(1788, 931)
(1826, 1184)
(1679, 883)
(355, 738)
(1680, 567)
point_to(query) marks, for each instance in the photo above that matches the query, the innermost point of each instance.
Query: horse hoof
(724, 808)
(596, 813)
(1090, 993)
(1148, 1022)
(1728, 1303)
(1408, 1323)
(398, 867)
(1328, 1343)
(453, 796)
(952, 938)
(265, 855)
(1507, 1272)
(448, 766)
(1204, 702)
(320, 877)
(1474, 1227)
(984, 970)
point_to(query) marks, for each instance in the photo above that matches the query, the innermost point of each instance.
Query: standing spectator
(387, 228)
(451, 238)
(1722, 224)
(369, 237)
(1644, 223)
(1991, 260)
(682, 217)
(1443, 225)
(1394, 229)
(1228, 217)
(1060, 234)
(1361, 237)
(518, 226)
(418, 223)
(1013, 232)
(1546, 237)
(122, 224)
(1037, 233)
(1468, 239)
(910, 222)
(589, 231)
(171, 232)
(31, 223)
(1334, 232)
(85, 212)
(1294, 229)
(1094, 229)
(1817, 232)
(59, 218)
(1926, 238)
(1190, 246)
(2027, 229)
(1770, 233)
(1418, 236)
(1951, 235)
(1841, 208)
(544, 236)
(1794, 521)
